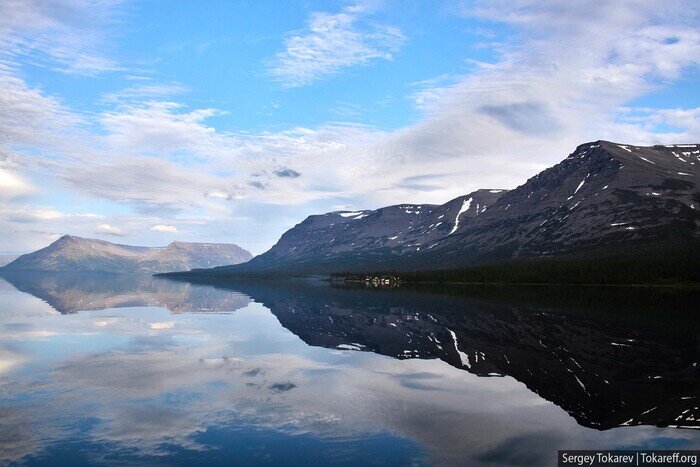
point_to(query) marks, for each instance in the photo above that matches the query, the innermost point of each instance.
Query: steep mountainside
(357, 239)
(347, 238)
(602, 198)
(77, 254)
(602, 195)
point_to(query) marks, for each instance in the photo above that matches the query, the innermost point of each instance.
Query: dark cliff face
(76, 254)
(602, 196)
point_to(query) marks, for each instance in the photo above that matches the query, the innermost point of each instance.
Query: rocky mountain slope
(368, 236)
(76, 254)
(603, 195)
(601, 198)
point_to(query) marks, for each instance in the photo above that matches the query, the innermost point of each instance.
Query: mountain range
(604, 199)
(77, 254)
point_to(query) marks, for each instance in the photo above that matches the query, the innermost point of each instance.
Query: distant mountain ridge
(603, 198)
(77, 254)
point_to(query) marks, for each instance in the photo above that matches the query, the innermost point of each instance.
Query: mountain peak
(78, 254)
(179, 243)
(69, 238)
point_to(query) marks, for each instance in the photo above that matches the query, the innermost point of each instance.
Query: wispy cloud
(561, 79)
(164, 228)
(156, 126)
(154, 91)
(29, 116)
(664, 121)
(63, 35)
(12, 185)
(430, 90)
(331, 43)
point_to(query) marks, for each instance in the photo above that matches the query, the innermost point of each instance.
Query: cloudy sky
(144, 122)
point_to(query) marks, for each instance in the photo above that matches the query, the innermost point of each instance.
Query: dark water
(129, 369)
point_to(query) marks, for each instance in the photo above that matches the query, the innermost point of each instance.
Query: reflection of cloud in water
(192, 376)
(147, 385)
(9, 360)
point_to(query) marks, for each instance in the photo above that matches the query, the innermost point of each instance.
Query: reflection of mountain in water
(609, 359)
(73, 292)
(624, 365)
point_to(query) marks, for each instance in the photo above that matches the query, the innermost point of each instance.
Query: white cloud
(31, 214)
(162, 127)
(29, 117)
(64, 35)
(164, 228)
(26, 213)
(145, 92)
(26, 227)
(430, 90)
(149, 184)
(12, 185)
(110, 230)
(332, 42)
(681, 125)
(561, 81)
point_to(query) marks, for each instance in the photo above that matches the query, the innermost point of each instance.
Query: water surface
(133, 369)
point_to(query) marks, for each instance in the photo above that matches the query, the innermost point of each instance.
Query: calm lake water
(128, 369)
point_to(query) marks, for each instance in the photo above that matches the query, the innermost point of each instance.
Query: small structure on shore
(369, 280)
(382, 281)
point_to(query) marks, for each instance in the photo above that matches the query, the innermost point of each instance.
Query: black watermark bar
(628, 457)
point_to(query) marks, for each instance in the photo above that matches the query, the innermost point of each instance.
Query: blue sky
(144, 122)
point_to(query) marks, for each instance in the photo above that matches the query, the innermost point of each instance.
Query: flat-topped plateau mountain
(604, 200)
(77, 254)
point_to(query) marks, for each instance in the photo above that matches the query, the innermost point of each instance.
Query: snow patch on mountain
(465, 207)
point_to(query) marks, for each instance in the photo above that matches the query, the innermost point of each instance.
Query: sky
(145, 122)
